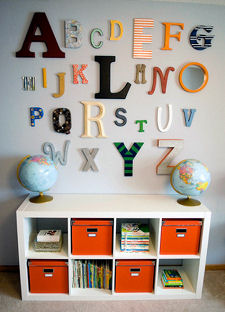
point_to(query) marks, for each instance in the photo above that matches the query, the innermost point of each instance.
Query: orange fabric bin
(48, 276)
(180, 237)
(92, 237)
(134, 276)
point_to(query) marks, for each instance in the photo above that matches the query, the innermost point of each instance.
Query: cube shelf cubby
(147, 209)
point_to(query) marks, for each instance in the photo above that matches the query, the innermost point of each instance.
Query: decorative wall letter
(105, 93)
(35, 113)
(96, 46)
(49, 149)
(141, 125)
(201, 41)
(188, 120)
(73, 34)
(117, 114)
(90, 155)
(175, 146)
(140, 68)
(28, 83)
(80, 73)
(88, 118)
(112, 37)
(195, 66)
(168, 34)
(163, 79)
(139, 38)
(61, 85)
(128, 156)
(64, 128)
(47, 36)
(159, 119)
(44, 76)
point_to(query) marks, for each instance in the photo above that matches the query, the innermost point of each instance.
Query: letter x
(90, 155)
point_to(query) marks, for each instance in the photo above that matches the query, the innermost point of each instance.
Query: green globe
(190, 177)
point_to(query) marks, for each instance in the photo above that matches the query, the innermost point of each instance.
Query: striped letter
(201, 41)
(175, 146)
(140, 37)
(128, 156)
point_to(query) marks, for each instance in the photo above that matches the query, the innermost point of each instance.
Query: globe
(37, 174)
(190, 177)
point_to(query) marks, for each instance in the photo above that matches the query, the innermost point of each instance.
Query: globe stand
(188, 201)
(41, 198)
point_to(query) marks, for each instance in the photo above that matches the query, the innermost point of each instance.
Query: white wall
(203, 140)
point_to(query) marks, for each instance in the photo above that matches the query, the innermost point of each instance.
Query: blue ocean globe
(190, 177)
(37, 173)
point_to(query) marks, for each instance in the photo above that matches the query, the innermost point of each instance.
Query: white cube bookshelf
(149, 209)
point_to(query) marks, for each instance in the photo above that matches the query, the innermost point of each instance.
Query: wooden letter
(123, 118)
(90, 155)
(159, 119)
(105, 93)
(112, 37)
(163, 79)
(47, 36)
(61, 85)
(175, 146)
(140, 37)
(128, 156)
(96, 46)
(168, 35)
(97, 119)
(140, 68)
(188, 120)
(80, 73)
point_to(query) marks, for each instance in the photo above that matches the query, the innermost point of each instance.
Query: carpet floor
(213, 299)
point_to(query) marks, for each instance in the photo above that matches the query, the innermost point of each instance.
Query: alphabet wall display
(200, 39)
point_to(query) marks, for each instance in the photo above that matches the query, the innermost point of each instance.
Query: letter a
(47, 36)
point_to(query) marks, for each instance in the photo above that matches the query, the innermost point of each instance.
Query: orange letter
(168, 34)
(112, 37)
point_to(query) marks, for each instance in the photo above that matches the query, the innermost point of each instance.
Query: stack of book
(48, 240)
(135, 237)
(92, 274)
(172, 279)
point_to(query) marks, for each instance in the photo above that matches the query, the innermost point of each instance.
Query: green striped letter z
(128, 156)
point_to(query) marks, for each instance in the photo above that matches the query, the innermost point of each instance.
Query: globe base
(188, 201)
(41, 198)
